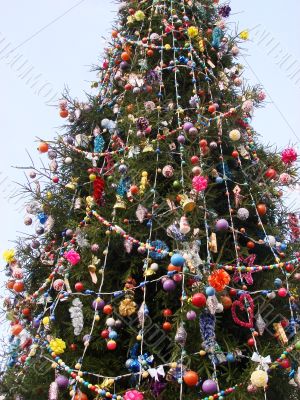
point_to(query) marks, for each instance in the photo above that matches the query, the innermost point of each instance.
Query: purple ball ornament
(169, 285)
(187, 126)
(36, 323)
(98, 304)
(209, 386)
(181, 139)
(62, 382)
(222, 225)
(124, 66)
(191, 315)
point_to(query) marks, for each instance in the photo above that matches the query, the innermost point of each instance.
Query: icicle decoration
(53, 391)
(76, 316)
(181, 335)
(143, 313)
(260, 324)
(207, 323)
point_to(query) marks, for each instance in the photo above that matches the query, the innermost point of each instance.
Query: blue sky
(57, 42)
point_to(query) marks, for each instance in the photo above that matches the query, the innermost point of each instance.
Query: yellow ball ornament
(235, 135)
(259, 378)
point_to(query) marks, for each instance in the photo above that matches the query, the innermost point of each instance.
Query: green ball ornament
(176, 184)
(297, 345)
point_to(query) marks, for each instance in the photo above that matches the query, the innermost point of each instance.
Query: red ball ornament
(194, 160)
(125, 56)
(127, 87)
(250, 244)
(232, 292)
(282, 292)
(108, 309)
(64, 113)
(134, 189)
(55, 179)
(284, 323)
(167, 326)
(104, 334)
(111, 345)
(191, 378)
(199, 300)
(73, 347)
(79, 287)
(235, 154)
(289, 268)
(226, 302)
(285, 363)
(26, 312)
(270, 173)
(251, 342)
(167, 312)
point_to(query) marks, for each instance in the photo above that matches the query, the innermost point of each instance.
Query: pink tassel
(53, 391)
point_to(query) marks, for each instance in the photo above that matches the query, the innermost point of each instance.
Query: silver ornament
(181, 335)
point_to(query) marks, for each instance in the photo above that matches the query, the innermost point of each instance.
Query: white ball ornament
(154, 267)
(259, 378)
(68, 160)
(271, 295)
(110, 322)
(243, 214)
(235, 135)
(270, 240)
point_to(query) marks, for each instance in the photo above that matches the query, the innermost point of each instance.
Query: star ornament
(240, 276)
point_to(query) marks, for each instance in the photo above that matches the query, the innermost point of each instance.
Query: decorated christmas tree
(163, 262)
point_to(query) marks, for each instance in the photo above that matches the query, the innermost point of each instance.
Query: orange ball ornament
(134, 189)
(114, 34)
(81, 396)
(108, 309)
(43, 147)
(226, 302)
(18, 286)
(250, 244)
(150, 53)
(261, 209)
(167, 326)
(10, 284)
(191, 378)
(16, 329)
(125, 56)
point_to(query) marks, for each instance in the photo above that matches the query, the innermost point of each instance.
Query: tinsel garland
(76, 316)
(98, 189)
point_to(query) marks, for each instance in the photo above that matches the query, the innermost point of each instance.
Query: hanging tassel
(53, 391)
(217, 36)
(98, 144)
(98, 189)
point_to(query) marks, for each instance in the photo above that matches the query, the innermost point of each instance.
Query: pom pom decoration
(235, 135)
(259, 378)
(219, 280)
(72, 256)
(58, 346)
(9, 255)
(199, 183)
(133, 395)
(289, 155)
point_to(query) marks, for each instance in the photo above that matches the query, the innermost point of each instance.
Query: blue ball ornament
(210, 291)
(278, 283)
(113, 335)
(230, 357)
(177, 260)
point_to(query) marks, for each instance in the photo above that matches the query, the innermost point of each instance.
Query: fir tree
(164, 262)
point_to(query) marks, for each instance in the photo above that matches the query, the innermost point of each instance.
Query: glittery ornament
(243, 214)
(260, 324)
(181, 335)
(53, 391)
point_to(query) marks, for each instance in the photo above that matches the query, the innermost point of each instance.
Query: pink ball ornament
(261, 96)
(133, 395)
(196, 170)
(168, 171)
(58, 285)
(181, 139)
(237, 81)
(177, 278)
(235, 51)
(282, 292)
(297, 276)
(193, 131)
(251, 389)
(285, 179)
(95, 248)
(191, 315)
